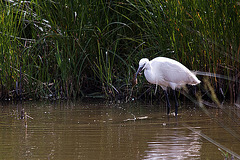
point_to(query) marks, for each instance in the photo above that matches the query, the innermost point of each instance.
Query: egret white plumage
(166, 72)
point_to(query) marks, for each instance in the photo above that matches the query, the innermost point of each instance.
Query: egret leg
(168, 103)
(176, 103)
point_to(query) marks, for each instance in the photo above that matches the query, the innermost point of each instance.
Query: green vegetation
(92, 47)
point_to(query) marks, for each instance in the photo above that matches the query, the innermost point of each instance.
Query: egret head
(142, 65)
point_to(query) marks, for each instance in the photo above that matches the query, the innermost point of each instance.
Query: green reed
(203, 35)
(9, 37)
(76, 48)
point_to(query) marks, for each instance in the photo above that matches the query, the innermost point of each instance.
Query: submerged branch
(211, 140)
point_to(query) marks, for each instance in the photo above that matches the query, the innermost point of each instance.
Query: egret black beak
(134, 81)
(138, 71)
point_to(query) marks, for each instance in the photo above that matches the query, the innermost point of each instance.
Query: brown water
(80, 130)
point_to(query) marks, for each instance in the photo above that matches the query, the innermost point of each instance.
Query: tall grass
(91, 48)
(203, 35)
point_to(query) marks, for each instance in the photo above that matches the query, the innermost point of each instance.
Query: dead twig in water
(211, 140)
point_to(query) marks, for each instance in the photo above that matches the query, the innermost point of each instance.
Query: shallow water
(93, 130)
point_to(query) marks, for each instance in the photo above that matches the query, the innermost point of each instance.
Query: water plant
(70, 49)
(201, 34)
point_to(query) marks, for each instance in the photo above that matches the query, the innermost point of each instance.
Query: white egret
(166, 72)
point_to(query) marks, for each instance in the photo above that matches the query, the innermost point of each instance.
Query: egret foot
(168, 103)
(176, 103)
